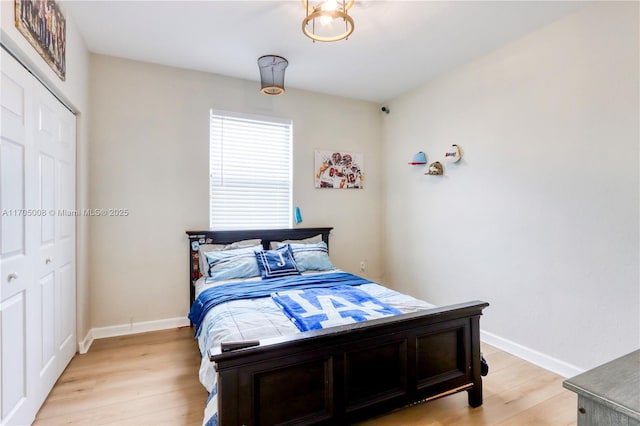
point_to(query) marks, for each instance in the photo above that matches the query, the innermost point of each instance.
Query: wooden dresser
(609, 395)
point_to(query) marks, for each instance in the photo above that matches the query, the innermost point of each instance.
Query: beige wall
(540, 218)
(74, 91)
(150, 136)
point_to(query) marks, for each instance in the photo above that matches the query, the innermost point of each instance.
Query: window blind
(250, 172)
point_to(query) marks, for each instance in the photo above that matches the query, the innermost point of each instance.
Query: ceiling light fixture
(272, 74)
(333, 20)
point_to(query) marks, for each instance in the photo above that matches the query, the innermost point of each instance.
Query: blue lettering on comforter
(316, 308)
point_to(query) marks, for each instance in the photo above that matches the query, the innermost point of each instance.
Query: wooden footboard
(345, 374)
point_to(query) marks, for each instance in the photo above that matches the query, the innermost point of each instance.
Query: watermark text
(64, 212)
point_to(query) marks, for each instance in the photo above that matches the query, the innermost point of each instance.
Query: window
(249, 172)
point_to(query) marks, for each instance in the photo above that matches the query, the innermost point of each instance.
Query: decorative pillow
(206, 248)
(232, 264)
(276, 263)
(312, 240)
(312, 257)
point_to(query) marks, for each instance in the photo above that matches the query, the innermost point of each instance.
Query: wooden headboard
(227, 237)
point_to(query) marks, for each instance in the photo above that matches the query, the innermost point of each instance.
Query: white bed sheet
(261, 318)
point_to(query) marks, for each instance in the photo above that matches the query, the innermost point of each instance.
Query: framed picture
(44, 25)
(338, 169)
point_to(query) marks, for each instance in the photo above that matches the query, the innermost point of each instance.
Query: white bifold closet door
(37, 252)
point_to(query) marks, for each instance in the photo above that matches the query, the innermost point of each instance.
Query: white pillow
(312, 240)
(205, 248)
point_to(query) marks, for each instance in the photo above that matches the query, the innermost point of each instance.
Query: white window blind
(250, 172)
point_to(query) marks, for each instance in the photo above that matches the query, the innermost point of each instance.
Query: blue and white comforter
(260, 318)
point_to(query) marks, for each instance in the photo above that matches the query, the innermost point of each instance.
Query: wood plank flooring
(142, 379)
(152, 379)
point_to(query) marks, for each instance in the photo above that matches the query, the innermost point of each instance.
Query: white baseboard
(541, 360)
(133, 328)
(85, 344)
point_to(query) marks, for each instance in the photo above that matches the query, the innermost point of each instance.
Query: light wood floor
(152, 379)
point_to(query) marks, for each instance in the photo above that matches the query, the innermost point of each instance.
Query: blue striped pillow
(276, 263)
(312, 257)
(232, 264)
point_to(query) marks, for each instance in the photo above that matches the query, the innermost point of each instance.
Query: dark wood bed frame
(345, 374)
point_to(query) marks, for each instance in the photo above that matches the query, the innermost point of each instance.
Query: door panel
(67, 199)
(47, 336)
(67, 317)
(47, 198)
(14, 342)
(13, 200)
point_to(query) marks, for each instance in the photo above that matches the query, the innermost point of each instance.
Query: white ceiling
(396, 45)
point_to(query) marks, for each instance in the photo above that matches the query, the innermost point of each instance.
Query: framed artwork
(44, 25)
(338, 169)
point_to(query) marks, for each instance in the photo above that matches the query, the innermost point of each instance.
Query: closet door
(18, 312)
(37, 263)
(55, 236)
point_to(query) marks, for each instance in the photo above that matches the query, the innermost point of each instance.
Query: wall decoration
(453, 155)
(342, 170)
(44, 26)
(435, 169)
(418, 158)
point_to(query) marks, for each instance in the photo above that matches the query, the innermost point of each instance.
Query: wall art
(339, 169)
(44, 26)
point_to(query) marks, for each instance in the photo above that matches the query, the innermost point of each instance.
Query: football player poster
(338, 169)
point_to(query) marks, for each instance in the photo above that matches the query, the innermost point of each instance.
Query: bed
(337, 375)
